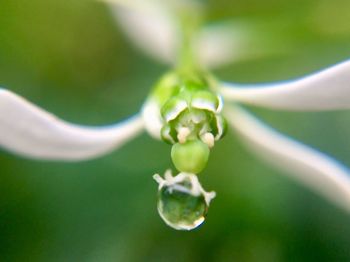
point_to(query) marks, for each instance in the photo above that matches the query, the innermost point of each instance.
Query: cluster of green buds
(190, 118)
(184, 112)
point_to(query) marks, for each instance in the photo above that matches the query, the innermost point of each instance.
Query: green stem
(190, 21)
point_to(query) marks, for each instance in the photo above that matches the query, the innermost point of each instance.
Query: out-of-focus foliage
(71, 59)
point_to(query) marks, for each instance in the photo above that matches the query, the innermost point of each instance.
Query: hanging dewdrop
(182, 202)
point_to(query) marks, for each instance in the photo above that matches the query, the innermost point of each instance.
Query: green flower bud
(173, 108)
(205, 100)
(218, 126)
(167, 87)
(190, 157)
(168, 135)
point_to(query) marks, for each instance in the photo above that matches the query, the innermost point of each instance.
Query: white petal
(217, 45)
(304, 164)
(326, 90)
(232, 41)
(150, 26)
(152, 118)
(32, 132)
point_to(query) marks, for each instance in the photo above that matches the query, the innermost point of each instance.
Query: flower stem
(190, 19)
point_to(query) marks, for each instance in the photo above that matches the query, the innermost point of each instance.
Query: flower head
(183, 111)
(188, 108)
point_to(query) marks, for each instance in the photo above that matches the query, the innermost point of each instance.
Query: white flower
(31, 132)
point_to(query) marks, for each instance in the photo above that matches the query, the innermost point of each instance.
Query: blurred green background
(71, 58)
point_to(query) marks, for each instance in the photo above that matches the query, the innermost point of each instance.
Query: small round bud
(183, 134)
(208, 139)
(190, 157)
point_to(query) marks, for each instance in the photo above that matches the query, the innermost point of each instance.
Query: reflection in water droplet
(182, 202)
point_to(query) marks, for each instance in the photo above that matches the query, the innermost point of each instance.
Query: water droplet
(182, 202)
